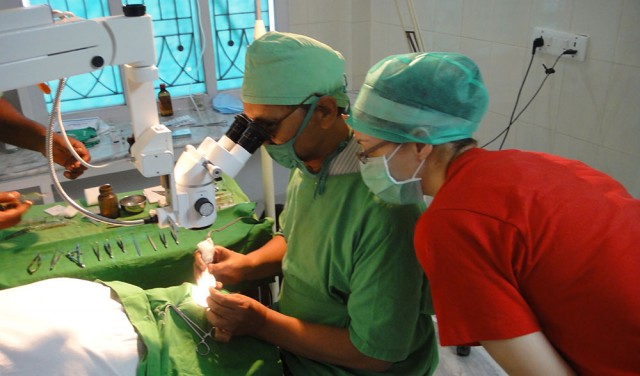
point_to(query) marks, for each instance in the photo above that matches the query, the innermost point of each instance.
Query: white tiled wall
(587, 110)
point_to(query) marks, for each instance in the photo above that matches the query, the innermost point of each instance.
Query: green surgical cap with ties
(285, 68)
(430, 98)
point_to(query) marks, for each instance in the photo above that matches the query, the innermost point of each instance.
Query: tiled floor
(477, 363)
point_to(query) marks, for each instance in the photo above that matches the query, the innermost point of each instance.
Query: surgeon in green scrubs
(354, 300)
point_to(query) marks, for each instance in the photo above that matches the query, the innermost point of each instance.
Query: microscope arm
(38, 48)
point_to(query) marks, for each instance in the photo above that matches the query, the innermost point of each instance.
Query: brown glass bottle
(108, 202)
(164, 101)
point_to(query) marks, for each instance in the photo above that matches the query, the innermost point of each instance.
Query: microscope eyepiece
(253, 137)
(237, 128)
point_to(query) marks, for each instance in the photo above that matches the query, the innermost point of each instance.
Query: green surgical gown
(350, 263)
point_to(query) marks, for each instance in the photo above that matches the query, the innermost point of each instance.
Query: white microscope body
(197, 170)
(38, 48)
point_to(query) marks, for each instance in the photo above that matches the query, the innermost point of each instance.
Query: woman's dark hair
(461, 144)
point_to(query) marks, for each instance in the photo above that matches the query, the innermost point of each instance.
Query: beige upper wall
(586, 110)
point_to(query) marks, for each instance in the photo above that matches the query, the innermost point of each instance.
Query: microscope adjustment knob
(204, 207)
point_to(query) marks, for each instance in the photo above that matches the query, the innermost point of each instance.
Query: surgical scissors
(202, 347)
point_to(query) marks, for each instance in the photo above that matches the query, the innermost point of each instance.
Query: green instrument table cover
(144, 281)
(236, 228)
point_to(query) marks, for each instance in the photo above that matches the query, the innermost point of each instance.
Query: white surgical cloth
(65, 326)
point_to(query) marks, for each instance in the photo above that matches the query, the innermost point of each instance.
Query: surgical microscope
(39, 45)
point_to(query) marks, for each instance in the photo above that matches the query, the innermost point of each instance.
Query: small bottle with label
(164, 101)
(108, 202)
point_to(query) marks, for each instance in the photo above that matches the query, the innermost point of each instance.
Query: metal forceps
(202, 347)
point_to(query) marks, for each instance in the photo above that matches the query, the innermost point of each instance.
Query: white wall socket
(556, 42)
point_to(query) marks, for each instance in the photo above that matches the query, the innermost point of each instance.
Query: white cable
(416, 27)
(63, 14)
(52, 170)
(400, 15)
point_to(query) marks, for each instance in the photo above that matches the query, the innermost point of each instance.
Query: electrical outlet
(556, 42)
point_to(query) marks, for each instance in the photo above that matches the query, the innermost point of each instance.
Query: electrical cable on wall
(538, 42)
(414, 37)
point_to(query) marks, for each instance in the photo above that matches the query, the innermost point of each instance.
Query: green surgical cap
(285, 68)
(430, 98)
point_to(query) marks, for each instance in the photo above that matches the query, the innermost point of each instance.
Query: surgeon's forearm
(318, 342)
(15, 129)
(266, 261)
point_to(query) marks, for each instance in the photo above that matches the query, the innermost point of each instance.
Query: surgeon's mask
(284, 154)
(376, 175)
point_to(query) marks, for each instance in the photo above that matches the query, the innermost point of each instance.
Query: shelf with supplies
(27, 171)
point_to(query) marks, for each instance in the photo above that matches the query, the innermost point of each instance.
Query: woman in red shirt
(533, 256)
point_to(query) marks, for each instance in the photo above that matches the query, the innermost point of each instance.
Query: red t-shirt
(517, 242)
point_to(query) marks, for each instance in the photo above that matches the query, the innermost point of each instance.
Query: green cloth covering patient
(170, 345)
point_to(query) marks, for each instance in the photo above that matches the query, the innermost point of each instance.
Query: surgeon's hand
(228, 266)
(234, 314)
(13, 209)
(63, 157)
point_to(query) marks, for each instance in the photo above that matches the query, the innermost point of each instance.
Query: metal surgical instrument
(107, 248)
(152, 243)
(34, 265)
(121, 245)
(135, 243)
(54, 259)
(173, 227)
(41, 226)
(96, 251)
(75, 256)
(163, 239)
(202, 347)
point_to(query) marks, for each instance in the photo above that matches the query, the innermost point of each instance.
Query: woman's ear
(424, 150)
(327, 111)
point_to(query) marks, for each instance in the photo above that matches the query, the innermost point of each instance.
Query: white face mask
(376, 175)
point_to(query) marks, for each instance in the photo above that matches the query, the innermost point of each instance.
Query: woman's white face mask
(377, 176)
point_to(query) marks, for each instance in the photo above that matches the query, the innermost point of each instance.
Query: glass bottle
(108, 202)
(164, 101)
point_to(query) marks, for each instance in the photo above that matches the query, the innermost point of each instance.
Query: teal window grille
(178, 42)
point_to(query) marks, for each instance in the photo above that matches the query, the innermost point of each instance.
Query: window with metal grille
(185, 64)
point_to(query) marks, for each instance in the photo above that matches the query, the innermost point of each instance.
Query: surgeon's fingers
(198, 260)
(73, 167)
(199, 265)
(72, 174)
(221, 313)
(222, 335)
(81, 150)
(220, 304)
(219, 334)
(12, 216)
(8, 197)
